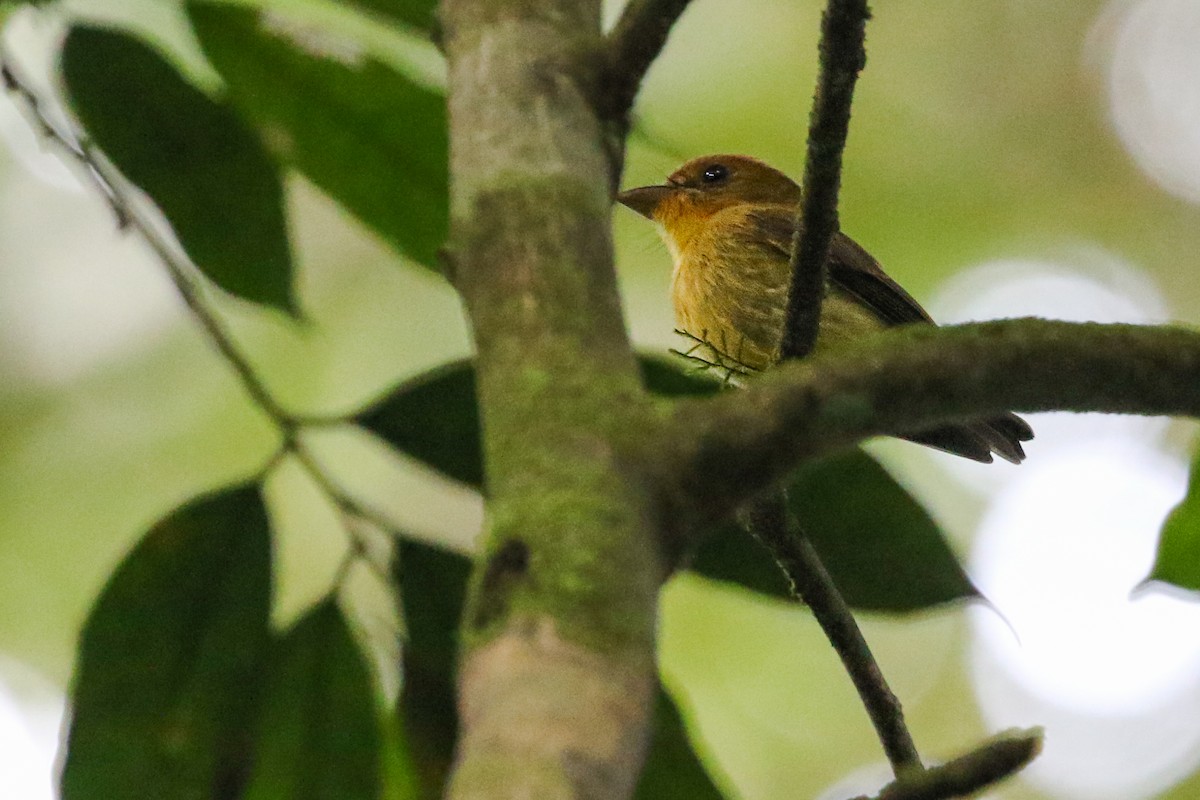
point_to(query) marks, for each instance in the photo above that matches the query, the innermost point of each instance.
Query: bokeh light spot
(1115, 680)
(1153, 72)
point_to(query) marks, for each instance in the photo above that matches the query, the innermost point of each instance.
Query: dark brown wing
(851, 268)
(856, 272)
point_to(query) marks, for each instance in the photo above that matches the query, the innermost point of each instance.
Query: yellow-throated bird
(728, 222)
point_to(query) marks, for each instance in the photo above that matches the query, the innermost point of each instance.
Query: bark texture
(557, 677)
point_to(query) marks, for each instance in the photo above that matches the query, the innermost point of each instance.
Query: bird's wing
(851, 268)
(854, 271)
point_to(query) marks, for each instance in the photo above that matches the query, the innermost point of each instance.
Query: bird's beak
(645, 199)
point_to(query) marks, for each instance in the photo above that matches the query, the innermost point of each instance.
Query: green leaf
(882, 548)
(194, 157)
(729, 555)
(672, 770)
(1178, 559)
(433, 583)
(319, 736)
(366, 134)
(668, 379)
(434, 418)
(415, 13)
(170, 658)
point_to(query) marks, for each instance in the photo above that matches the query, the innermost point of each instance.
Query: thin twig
(995, 760)
(183, 276)
(706, 357)
(67, 140)
(769, 520)
(110, 183)
(633, 44)
(842, 57)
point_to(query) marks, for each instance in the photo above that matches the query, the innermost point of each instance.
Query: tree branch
(717, 453)
(993, 761)
(843, 56)
(769, 520)
(631, 47)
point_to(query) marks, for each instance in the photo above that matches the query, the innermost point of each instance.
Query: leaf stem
(108, 181)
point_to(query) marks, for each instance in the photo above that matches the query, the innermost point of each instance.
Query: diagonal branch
(769, 520)
(717, 453)
(632, 46)
(842, 58)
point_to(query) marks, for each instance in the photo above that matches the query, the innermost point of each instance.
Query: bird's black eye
(714, 173)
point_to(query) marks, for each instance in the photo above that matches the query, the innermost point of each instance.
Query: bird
(728, 222)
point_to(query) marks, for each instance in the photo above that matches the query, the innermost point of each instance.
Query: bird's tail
(979, 440)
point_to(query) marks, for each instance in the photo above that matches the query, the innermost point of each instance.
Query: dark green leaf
(433, 583)
(170, 657)
(673, 771)
(399, 776)
(319, 736)
(669, 379)
(416, 13)
(729, 555)
(369, 136)
(882, 548)
(1178, 559)
(194, 157)
(435, 419)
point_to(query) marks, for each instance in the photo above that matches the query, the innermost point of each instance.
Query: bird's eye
(714, 173)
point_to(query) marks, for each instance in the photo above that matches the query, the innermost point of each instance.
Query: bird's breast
(734, 306)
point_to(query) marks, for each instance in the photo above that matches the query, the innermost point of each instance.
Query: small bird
(728, 222)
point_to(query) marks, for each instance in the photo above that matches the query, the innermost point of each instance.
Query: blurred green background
(1006, 157)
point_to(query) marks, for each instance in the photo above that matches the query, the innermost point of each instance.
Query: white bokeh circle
(1153, 69)
(1115, 680)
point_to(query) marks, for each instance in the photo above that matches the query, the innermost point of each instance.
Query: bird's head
(706, 185)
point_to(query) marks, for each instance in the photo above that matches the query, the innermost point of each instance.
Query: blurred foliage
(195, 157)
(881, 546)
(434, 583)
(171, 657)
(318, 736)
(672, 770)
(366, 134)
(181, 692)
(976, 135)
(417, 13)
